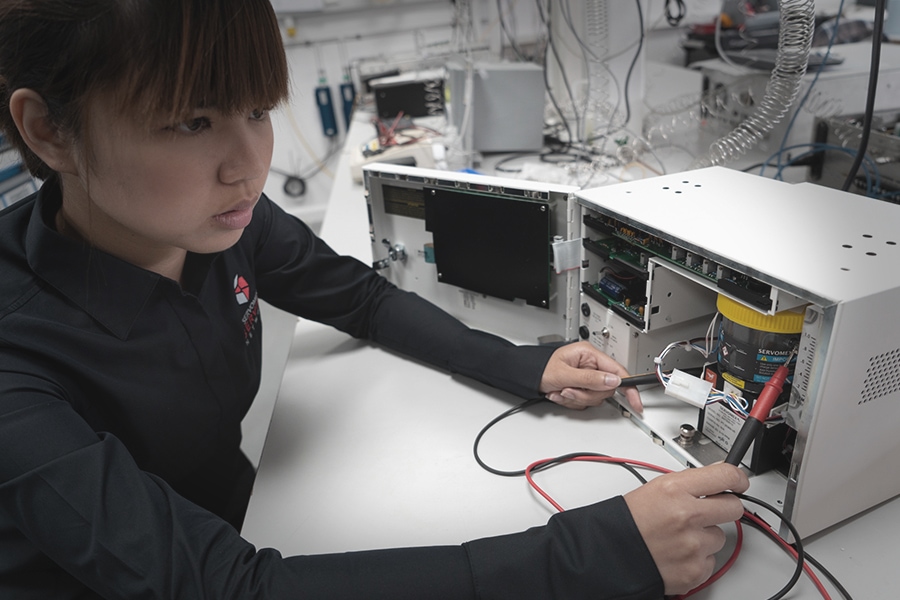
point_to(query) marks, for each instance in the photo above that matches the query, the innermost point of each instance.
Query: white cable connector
(687, 388)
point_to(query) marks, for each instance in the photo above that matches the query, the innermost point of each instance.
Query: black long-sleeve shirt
(121, 397)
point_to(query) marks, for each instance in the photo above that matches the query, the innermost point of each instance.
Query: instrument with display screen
(496, 253)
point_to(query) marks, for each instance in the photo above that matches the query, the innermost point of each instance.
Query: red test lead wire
(759, 413)
(529, 472)
(764, 527)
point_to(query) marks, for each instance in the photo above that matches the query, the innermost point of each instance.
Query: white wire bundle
(708, 346)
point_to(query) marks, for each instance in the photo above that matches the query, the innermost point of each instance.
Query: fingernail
(612, 381)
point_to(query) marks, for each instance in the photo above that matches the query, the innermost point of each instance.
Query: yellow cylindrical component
(752, 345)
(786, 321)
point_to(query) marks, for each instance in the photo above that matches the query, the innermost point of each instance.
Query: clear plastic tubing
(795, 32)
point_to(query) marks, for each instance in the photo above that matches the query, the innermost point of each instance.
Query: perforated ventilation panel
(882, 376)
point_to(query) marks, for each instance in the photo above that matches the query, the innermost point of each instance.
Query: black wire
(562, 117)
(562, 157)
(549, 463)
(510, 158)
(512, 42)
(798, 570)
(585, 52)
(562, 153)
(803, 160)
(567, 15)
(556, 151)
(634, 60)
(641, 379)
(551, 46)
(837, 584)
(508, 413)
(877, 33)
(806, 556)
(675, 19)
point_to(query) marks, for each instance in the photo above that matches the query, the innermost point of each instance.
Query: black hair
(157, 59)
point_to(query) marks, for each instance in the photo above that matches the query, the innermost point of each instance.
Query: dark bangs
(158, 59)
(189, 54)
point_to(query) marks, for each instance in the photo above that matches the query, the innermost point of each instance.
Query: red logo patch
(241, 290)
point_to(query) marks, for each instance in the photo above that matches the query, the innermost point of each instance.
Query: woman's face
(151, 191)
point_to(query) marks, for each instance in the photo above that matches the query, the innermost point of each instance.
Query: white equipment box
(772, 246)
(733, 92)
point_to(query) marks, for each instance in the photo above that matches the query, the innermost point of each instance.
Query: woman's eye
(259, 114)
(195, 125)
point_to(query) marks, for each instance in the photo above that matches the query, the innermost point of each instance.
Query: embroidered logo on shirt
(251, 315)
(241, 290)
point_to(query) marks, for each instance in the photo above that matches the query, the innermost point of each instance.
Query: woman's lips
(237, 218)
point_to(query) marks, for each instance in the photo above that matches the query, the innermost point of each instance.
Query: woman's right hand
(679, 514)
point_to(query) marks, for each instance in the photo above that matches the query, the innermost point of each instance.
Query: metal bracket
(395, 252)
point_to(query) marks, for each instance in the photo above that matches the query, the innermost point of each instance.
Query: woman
(130, 337)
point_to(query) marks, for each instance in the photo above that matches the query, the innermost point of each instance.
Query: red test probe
(759, 413)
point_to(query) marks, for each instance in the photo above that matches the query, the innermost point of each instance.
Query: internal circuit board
(625, 252)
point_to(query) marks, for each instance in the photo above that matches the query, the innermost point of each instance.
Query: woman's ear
(30, 113)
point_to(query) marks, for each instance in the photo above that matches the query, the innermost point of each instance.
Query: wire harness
(688, 388)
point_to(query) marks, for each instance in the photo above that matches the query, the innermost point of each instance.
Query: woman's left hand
(579, 375)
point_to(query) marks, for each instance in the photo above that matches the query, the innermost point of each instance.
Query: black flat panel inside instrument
(492, 245)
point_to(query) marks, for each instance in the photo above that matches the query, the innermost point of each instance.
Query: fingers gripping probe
(759, 413)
